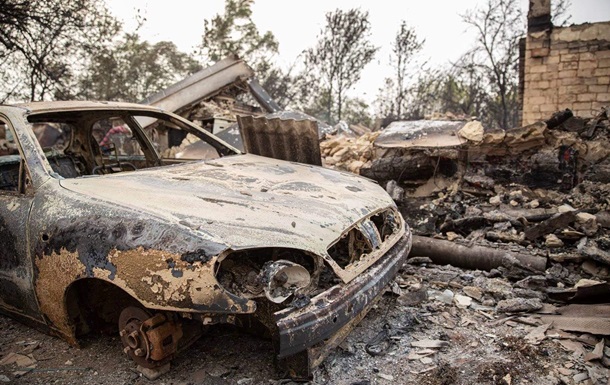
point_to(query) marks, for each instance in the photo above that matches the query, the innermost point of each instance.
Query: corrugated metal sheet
(286, 139)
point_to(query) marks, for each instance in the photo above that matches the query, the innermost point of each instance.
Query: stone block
(602, 71)
(539, 69)
(567, 74)
(547, 108)
(568, 65)
(590, 80)
(586, 97)
(153, 374)
(533, 108)
(548, 75)
(586, 56)
(587, 64)
(551, 59)
(570, 35)
(603, 63)
(570, 81)
(565, 99)
(560, 46)
(535, 100)
(585, 72)
(577, 89)
(593, 48)
(582, 106)
(603, 97)
(603, 80)
(599, 88)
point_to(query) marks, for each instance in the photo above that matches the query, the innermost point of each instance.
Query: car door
(16, 288)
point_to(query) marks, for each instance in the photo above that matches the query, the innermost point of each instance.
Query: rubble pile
(501, 202)
(528, 209)
(544, 191)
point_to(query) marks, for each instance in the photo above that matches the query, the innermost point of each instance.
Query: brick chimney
(539, 16)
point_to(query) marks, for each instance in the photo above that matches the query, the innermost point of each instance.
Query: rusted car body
(93, 234)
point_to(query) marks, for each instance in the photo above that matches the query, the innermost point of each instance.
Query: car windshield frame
(131, 116)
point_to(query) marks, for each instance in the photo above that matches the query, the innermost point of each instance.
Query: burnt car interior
(85, 143)
(12, 170)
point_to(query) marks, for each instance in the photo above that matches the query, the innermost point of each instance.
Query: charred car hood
(244, 201)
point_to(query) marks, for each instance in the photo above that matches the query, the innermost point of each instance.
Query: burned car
(110, 224)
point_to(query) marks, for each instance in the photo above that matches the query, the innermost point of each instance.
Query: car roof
(74, 105)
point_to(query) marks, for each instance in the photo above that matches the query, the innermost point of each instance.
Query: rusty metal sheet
(421, 134)
(593, 325)
(577, 310)
(292, 140)
(593, 319)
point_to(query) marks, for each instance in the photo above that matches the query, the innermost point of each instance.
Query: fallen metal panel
(421, 134)
(201, 85)
(292, 140)
(593, 325)
(577, 310)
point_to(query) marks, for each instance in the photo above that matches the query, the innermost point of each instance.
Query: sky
(296, 23)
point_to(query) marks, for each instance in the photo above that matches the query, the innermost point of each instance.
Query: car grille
(365, 237)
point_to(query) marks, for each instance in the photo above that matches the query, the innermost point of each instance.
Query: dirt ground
(422, 331)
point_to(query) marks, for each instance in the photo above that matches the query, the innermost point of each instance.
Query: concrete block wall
(566, 67)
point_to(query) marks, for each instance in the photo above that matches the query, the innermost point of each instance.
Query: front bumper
(341, 307)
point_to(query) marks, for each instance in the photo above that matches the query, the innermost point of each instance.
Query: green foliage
(132, 69)
(234, 32)
(43, 43)
(342, 51)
